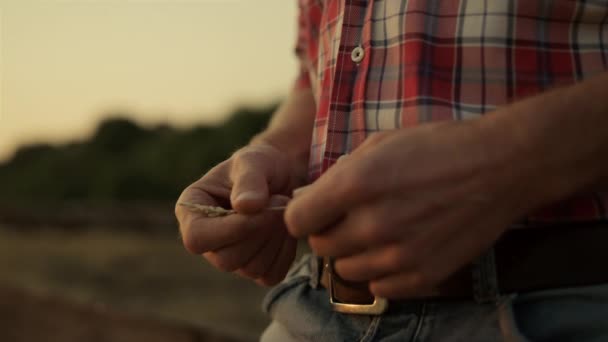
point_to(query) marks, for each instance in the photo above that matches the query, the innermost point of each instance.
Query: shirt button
(357, 54)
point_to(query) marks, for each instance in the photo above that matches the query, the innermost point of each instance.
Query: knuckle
(238, 154)
(245, 156)
(238, 159)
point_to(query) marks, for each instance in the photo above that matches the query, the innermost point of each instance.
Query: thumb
(249, 185)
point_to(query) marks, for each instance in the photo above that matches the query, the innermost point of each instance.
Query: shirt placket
(348, 85)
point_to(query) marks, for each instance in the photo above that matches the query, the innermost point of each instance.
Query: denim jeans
(300, 311)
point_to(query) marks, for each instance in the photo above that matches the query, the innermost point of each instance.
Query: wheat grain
(212, 211)
(207, 210)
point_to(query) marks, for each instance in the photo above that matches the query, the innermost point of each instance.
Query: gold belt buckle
(378, 307)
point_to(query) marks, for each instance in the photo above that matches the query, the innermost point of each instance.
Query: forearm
(562, 135)
(291, 127)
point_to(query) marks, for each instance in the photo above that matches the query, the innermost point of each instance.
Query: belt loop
(485, 282)
(316, 267)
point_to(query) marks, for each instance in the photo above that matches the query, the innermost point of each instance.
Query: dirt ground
(27, 317)
(132, 274)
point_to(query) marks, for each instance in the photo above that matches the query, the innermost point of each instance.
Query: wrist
(549, 144)
(510, 163)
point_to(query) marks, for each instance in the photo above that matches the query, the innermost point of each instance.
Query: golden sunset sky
(64, 64)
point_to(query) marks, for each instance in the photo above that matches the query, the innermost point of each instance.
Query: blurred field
(87, 229)
(144, 275)
(28, 317)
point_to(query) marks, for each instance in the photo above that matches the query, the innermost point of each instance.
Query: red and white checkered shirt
(377, 65)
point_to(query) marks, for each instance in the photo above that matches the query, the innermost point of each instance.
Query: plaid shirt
(377, 65)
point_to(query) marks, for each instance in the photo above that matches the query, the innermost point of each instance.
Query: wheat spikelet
(207, 210)
(212, 211)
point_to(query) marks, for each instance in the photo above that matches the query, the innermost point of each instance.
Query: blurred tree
(117, 135)
(124, 161)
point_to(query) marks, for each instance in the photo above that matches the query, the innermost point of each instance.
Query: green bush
(124, 161)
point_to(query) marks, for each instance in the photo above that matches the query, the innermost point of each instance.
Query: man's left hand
(410, 207)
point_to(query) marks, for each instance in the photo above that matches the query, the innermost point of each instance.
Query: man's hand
(253, 243)
(410, 207)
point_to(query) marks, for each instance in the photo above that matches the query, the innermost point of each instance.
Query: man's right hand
(254, 242)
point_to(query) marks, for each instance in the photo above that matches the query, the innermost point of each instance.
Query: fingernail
(249, 196)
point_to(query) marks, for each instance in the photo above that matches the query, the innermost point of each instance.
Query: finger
(309, 212)
(328, 199)
(374, 263)
(408, 252)
(371, 225)
(259, 263)
(237, 255)
(213, 187)
(202, 234)
(262, 261)
(210, 190)
(250, 184)
(254, 175)
(281, 265)
(349, 236)
(451, 256)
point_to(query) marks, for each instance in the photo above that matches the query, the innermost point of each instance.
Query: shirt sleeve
(303, 41)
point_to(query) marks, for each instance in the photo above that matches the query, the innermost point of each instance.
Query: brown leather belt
(526, 260)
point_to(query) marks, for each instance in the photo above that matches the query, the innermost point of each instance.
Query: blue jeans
(300, 311)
